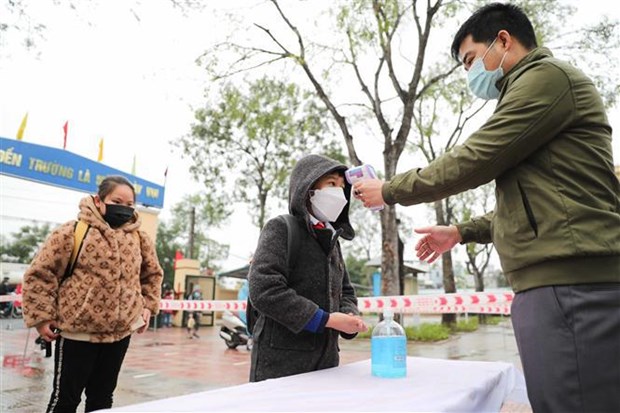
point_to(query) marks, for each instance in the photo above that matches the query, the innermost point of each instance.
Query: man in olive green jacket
(556, 223)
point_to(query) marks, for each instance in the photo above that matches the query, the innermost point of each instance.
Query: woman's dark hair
(488, 20)
(110, 182)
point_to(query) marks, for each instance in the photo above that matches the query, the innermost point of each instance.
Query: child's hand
(347, 323)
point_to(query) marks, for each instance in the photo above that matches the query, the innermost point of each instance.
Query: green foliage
(367, 241)
(166, 246)
(593, 48)
(407, 83)
(208, 210)
(356, 269)
(210, 251)
(494, 319)
(366, 334)
(428, 332)
(246, 145)
(468, 325)
(467, 205)
(548, 17)
(22, 245)
(500, 279)
(431, 332)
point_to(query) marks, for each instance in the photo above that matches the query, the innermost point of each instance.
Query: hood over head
(304, 175)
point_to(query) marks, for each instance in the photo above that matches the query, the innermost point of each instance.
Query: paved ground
(165, 363)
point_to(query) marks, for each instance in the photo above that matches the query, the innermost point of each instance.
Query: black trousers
(197, 315)
(569, 343)
(80, 365)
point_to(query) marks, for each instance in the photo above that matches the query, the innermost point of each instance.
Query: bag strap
(79, 233)
(292, 245)
(292, 248)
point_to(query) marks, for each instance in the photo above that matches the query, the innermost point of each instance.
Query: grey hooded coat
(288, 299)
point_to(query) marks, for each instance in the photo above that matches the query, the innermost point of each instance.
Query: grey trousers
(569, 343)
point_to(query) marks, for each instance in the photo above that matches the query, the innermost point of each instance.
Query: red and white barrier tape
(490, 303)
(202, 305)
(10, 297)
(487, 303)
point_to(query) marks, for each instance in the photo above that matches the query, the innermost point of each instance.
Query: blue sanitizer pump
(388, 347)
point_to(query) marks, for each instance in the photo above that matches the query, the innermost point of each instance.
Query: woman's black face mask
(116, 215)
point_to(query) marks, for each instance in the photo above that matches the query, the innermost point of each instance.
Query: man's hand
(46, 330)
(369, 192)
(146, 316)
(347, 323)
(438, 239)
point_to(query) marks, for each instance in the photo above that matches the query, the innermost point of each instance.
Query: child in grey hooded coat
(303, 310)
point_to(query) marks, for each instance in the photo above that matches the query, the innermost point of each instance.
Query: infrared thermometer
(360, 173)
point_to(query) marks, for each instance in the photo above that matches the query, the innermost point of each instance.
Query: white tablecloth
(431, 385)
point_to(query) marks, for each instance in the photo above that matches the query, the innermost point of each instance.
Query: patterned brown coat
(116, 276)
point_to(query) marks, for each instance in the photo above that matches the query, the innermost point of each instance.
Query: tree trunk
(449, 285)
(262, 198)
(390, 259)
(389, 256)
(192, 222)
(479, 284)
(401, 263)
(478, 280)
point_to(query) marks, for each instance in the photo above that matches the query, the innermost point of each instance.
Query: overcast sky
(129, 77)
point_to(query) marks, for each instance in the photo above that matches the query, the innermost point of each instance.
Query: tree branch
(375, 101)
(385, 41)
(340, 120)
(423, 36)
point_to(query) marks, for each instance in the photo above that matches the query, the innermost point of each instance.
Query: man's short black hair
(488, 20)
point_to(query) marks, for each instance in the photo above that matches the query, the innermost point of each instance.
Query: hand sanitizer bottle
(388, 348)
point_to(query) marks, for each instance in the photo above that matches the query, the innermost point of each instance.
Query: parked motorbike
(234, 331)
(11, 309)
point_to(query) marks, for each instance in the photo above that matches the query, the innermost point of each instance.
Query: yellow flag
(22, 127)
(100, 156)
(133, 167)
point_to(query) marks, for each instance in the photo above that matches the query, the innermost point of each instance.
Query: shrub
(366, 334)
(468, 325)
(494, 319)
(424, 332)
(428, 332)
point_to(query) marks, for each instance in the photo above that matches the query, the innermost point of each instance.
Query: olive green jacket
(548, 148)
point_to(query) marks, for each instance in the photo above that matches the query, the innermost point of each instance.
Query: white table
(431, 385)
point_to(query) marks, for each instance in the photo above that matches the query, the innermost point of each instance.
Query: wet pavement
(165, 362)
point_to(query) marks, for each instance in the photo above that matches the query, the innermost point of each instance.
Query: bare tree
(258, 134)
(444, 97)
(383, 47)
(468, 205)
(371, 36)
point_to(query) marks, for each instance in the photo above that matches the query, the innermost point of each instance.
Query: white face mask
(327, 203)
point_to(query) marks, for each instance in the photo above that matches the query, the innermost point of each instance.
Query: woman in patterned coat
(92, 311)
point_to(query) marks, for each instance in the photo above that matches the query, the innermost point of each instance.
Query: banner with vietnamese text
(65, 169)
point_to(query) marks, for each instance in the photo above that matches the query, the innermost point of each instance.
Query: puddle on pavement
(457, 354)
